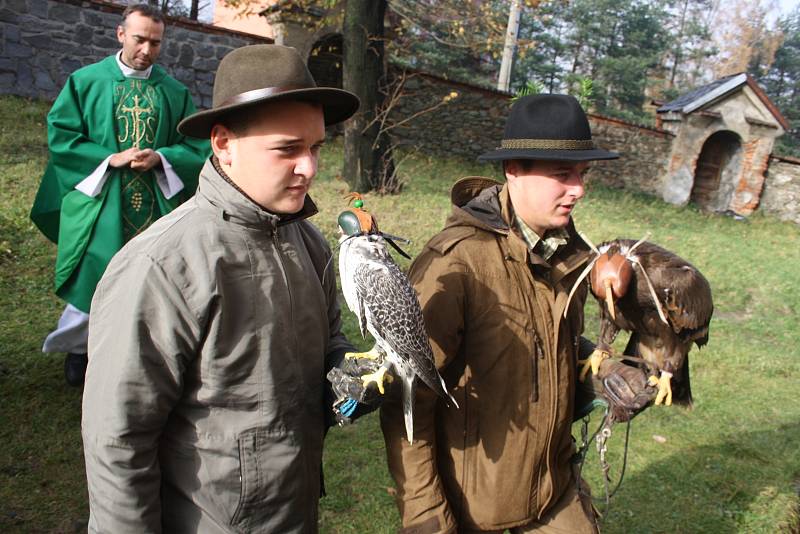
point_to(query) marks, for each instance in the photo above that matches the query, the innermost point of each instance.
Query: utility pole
(504, 80)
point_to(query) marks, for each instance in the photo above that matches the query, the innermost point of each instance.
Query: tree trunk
(367, 150)
(504, 79)
(194, 9)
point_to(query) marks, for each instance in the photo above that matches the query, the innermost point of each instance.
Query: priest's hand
(145, 160)
(124, 158)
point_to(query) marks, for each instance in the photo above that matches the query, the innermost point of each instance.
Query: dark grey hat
(261, 73)
(549, 127)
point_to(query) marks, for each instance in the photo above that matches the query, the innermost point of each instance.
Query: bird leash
(600, 437)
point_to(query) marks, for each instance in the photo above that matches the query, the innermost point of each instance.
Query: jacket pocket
(274, 483)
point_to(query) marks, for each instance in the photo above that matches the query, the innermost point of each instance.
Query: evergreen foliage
(782, 83)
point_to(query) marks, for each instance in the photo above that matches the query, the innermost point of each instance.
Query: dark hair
(525, 165)
(145, 10)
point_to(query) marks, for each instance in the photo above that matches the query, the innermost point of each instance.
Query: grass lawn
(730, 465)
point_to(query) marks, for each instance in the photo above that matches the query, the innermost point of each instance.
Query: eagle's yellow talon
(664, 388)
(592, 362)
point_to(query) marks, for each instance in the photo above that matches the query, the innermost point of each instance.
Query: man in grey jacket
(204, 407)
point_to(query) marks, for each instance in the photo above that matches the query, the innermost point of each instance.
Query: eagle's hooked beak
(610, 298)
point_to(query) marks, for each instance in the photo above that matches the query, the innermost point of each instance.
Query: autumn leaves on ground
(730, 465)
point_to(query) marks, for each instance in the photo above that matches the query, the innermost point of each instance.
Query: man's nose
(576, 186)
(306, 165)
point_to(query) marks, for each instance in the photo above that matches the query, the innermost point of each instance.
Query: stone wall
(644, 155)
(781, 195)
(43, 41)
(472, 122)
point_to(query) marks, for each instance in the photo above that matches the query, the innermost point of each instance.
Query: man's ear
(120, 34)
(510, 169)
(222, 139)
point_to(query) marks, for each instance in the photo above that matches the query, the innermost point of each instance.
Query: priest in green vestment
(117, 163)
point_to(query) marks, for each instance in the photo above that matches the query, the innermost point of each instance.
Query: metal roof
(702, 96)
(688, 102)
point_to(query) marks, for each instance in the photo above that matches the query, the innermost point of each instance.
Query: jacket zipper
(538, 354)
(277, 243)
(556, 333)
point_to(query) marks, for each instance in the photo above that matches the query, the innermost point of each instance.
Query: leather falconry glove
(626, 390)
(353, 400)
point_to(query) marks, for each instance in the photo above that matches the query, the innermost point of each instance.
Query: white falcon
(382, 298)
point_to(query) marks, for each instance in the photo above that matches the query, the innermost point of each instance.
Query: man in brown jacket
(493, 285)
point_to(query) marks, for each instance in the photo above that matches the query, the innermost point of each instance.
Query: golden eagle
(662, 300)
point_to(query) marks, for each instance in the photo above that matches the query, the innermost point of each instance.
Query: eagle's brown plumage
(683, 294)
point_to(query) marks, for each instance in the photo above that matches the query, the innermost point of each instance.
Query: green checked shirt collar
(546, 247)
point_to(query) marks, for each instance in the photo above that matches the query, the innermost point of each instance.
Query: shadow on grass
(715, 487)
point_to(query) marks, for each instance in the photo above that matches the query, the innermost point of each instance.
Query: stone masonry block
(8, 65)
(7, 79)
(17, 50)
(106, 42)
(83, 34)
(18, 6)
(11, 33)
(64, 13)
(6, 15)
(186, 56)
(24, 76)
(44, 82)
(204, 50)
(70, 65)
(38, 8)
(95, 20)
(41, 41)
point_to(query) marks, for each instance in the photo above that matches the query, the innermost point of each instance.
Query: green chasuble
(98, 113)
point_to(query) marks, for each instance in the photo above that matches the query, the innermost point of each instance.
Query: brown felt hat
(255, 74)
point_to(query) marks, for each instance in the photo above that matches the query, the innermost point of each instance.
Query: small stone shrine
(724, 133)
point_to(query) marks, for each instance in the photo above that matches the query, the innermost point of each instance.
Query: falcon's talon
(377, 377)
(371, 354)
(593, 362)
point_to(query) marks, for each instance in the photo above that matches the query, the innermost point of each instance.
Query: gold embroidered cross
(139, 125)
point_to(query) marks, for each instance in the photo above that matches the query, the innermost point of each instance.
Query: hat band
(258, 94)
(548, 144)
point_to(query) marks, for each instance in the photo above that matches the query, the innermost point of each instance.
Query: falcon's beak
(610, 299)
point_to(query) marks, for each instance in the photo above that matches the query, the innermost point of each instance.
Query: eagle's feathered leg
(409, 388)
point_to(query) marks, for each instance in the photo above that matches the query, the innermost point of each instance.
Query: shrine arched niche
(717, 171)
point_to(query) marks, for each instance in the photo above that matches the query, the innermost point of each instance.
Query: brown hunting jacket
(495, 316)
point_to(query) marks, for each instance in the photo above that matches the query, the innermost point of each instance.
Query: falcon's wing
(684, 291)
(394, 314)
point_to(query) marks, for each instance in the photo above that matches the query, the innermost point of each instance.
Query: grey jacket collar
(233, 205)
